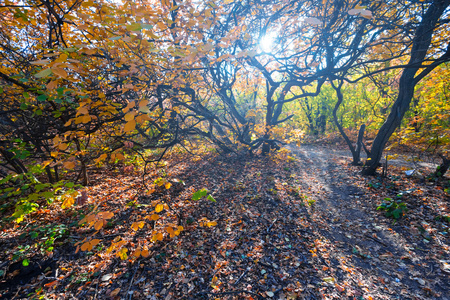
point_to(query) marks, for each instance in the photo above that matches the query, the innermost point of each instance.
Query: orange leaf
(130, 126)
(51, 284)
(98, 225)
(155, 217)
(51, 85)
(145, 252)
(114, 293)
(69, 165)
(130, 116)
(59, 71)
(137, 253)
(143, 103)
(82, 110)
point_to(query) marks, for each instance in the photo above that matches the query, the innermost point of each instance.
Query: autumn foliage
(113, 86)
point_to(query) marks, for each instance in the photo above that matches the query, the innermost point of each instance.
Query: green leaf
(23, 106)
(146, 26)
(134, 27)
(115, 38)
(25, 262)
(211, 198)
(42, 97)
(199, 194)
(70, 184)
(43, 73)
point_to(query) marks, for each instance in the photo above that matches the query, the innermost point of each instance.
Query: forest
(233, 149)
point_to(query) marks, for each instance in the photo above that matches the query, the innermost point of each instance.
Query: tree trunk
(421, 43)
(442, 168)
(340, 97)
(359, 144)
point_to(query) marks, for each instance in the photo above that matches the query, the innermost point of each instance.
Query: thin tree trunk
(340, 97)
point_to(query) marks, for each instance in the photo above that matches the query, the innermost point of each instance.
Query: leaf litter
(300, 225)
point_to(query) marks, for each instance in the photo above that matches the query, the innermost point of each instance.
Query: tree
(427, 52)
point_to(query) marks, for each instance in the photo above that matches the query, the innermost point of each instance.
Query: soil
(302, 225)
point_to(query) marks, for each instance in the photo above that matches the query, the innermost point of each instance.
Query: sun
(266, 43)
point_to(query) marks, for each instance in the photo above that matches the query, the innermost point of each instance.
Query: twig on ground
(271, 225)
(242, 276)
(205, 293)
(376, 240)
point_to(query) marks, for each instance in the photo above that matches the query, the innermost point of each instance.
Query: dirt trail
(388, 258)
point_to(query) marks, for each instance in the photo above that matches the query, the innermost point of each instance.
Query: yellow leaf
(211, 223)
(68, 202)
(168, 185)
(130, 126)
(46, 163)
(159, 208)
(69, 165)
(123, 253)
(136, 225)
(63, 57)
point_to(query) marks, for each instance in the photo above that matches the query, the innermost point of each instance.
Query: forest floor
(298, 225)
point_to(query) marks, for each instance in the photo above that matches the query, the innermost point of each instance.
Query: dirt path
(387, 260)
